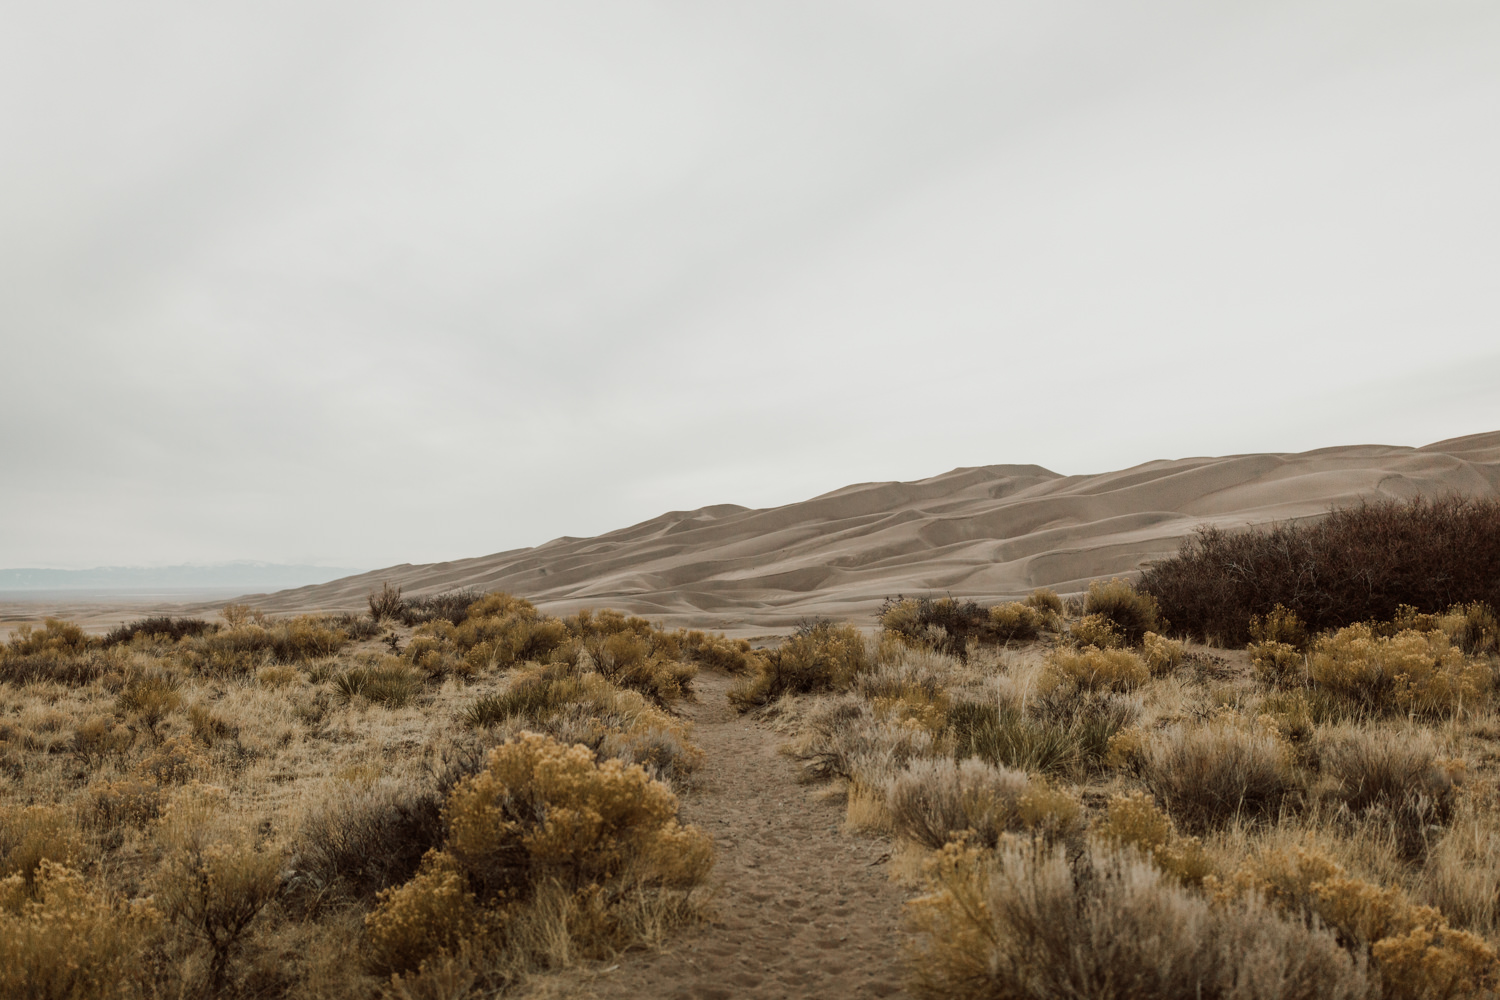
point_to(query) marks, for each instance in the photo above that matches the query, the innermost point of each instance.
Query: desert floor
(802, 909)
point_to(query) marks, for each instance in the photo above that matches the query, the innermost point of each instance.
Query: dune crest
(989, 532)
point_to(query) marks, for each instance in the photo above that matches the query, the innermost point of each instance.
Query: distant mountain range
(239, 577)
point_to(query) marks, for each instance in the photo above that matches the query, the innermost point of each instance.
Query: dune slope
(988, 532)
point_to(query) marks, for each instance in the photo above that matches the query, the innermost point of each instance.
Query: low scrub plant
(1280, 625)
(147, 699)
(215, 891)
(1034, 922)
(1134, 820)
(387, 682)
(450, 606)
(1067, 733)
(945, 624)
(1410, 672)
(362, 838)
(1045, 600)
(936, 802)
(1279, 664)
(1223, 771)
(1015, 622)
(1097, 669)
(386, 603)
(582, 707)
(1415, 953)
(1162, 655)
(33, 835)
(67, 939)
(55, 636)
(161, 627)
(1399, 779)
(1132, 612)
(1097, 631)
(733, 656)
(846, 738)
(627, 660)
(540, 819)
(822, 657)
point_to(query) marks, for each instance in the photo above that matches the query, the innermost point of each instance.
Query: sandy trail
(803, 910)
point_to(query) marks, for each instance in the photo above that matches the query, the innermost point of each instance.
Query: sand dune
(989, 532)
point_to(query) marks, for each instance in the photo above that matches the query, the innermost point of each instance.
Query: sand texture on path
(989, 532)
(801, 909)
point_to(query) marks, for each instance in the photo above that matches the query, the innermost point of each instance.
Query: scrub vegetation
(287, 808)
(1102, 810)
(1082, 796)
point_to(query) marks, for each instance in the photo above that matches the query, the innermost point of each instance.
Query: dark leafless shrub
(1357, 564)
(452, 606)
(387, 603)
(361, 839)
(164, 626)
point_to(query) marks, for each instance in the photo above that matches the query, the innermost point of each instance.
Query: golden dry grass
(1287, 823)
(239, 810)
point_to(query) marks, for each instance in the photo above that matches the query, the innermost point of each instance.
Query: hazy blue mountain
(244, 577)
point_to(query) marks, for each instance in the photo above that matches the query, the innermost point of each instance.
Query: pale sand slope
(990, 532)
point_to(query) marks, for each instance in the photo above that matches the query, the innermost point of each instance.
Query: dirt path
(803, 910)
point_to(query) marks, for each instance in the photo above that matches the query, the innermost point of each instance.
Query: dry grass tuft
(933, 803)
(1225, 771)
(1024, 922)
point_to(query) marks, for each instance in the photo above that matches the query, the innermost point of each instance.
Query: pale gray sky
(361, 283)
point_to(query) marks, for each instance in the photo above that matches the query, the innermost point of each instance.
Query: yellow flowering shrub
(1135, 820)
(1097, 631)
(825, 657)
(1409, 672)
(1279, 664)
(542, 809)
(433, 914)
(31, 836)
(1279, 625)
(1131, 612)
(1093, 668)
(71, 941)
(542, 821)
(1418, 955)
(1016, 621)
(1162, 655)
(175, 761)
(126, 802)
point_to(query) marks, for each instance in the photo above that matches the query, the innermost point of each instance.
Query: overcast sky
(364, 283)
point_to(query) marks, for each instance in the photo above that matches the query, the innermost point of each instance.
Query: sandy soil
(802, 909)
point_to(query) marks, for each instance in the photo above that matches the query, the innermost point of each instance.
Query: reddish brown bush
(1357, 564)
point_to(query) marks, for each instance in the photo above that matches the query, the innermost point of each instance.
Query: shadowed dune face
(989, 533)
